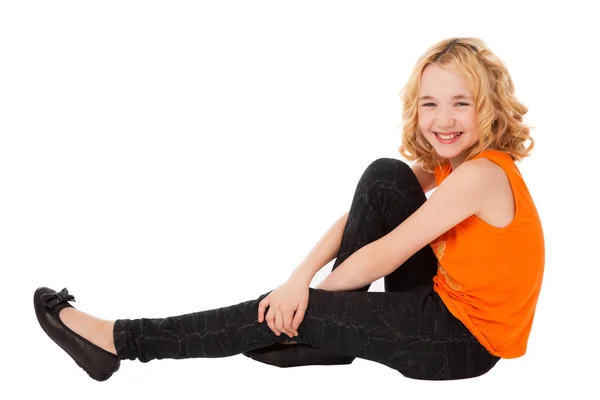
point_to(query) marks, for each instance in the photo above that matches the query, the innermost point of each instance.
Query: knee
(396, 172)
(386, 162)
(388, 167)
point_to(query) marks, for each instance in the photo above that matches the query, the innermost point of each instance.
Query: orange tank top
(488, 277)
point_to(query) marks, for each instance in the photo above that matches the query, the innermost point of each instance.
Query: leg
(411, 332)
(387, 193)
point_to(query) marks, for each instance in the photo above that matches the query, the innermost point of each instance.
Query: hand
(287, 305)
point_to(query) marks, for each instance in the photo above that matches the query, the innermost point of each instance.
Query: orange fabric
(488, 277)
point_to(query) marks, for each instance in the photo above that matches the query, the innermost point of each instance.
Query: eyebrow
(458, 96)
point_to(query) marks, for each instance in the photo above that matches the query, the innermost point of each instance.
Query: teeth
(447, 137)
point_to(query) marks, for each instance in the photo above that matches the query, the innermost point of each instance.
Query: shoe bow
(52, 299)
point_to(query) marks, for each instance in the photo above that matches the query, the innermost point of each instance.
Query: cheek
(424, 124)
(472, 121)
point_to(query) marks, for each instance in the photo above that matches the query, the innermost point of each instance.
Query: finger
(284, 320)
(271, 322)
(279, 321)
(261, 308)
(298, 317)
(287, 323)
(279, 324)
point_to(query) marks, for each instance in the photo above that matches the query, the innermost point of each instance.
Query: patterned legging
(407, 327)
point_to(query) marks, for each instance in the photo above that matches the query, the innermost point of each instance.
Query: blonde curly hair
(499, 113)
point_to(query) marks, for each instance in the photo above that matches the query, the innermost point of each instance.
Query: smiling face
(443, 109)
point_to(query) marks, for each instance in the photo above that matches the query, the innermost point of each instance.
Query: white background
(160, 158)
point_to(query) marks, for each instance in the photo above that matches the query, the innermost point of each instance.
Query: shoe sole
(324, 362)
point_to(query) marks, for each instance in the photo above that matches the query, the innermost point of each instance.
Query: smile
(448, 139)
(449, 135)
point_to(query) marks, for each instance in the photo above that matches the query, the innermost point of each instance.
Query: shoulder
(481, 170)
(475, 180)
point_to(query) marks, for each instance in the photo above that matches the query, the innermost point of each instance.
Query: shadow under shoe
(97, 362)
(297, 355)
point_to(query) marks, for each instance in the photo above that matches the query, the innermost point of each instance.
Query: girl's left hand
(287, 305)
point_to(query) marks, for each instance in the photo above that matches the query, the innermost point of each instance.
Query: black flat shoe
(297, 355)
(97, 362)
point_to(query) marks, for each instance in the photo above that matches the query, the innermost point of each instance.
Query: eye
(433, 104)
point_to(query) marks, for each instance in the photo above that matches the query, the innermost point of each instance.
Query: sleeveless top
(488, 277)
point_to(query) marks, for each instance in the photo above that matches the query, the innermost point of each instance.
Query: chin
(449, 154)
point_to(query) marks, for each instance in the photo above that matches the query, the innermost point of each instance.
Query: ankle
(106, 336)
(95, 330)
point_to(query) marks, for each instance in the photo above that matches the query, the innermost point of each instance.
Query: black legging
(407, 327)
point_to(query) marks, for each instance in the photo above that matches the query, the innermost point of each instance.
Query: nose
(445, 119)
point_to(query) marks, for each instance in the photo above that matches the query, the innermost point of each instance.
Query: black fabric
(407, 327)
(297, 355)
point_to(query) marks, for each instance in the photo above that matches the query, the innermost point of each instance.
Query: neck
(456, 161)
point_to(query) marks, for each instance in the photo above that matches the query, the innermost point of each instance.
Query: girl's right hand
(287, 305)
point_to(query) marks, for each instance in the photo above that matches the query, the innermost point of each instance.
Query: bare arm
(324, 251)
(459, 196)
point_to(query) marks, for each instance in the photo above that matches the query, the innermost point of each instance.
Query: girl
(462, 269)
